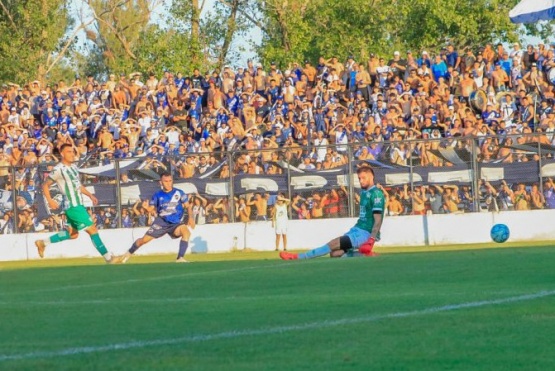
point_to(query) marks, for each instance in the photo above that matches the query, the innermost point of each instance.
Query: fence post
(14, 203)
(231, 198)
(411, 179)
(350, 175)
(475, 172)
(540, 167)
(289, 195)
(118, 192)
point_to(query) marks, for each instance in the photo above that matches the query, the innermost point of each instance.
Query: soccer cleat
(181, 260)
(288, 255)
(118, 259)
(40, 247)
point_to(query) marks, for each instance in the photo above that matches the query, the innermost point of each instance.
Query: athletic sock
(314, 253)
(58, 237)
(182, 248)
(108, 256)
(133, 248)
(98, 244)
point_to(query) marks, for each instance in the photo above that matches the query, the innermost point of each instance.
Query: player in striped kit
(66, 176)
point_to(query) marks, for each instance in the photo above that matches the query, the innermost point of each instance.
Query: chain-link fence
(448, 175)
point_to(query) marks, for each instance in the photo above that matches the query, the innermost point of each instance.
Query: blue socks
(133, 248)
(314, 253)
(182, 248)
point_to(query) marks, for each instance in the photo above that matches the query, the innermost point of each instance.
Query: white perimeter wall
(415, 231)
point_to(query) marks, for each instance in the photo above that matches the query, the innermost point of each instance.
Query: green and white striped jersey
(67, 179)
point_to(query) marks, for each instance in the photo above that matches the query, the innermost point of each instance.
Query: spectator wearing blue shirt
(452, 57)
(490, 115)
(439, 69)
(506, 63)
(232, 102)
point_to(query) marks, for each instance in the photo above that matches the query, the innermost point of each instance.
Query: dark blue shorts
(160, 227)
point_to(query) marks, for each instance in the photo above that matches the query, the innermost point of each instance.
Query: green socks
(97, 242)
(59, 237)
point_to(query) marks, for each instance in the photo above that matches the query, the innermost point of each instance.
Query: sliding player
(367, 229)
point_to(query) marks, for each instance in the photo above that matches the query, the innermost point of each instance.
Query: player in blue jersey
(170, 204)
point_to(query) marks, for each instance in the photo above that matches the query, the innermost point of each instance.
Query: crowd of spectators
(393, 109)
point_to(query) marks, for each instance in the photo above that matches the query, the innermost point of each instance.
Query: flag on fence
(531, 11)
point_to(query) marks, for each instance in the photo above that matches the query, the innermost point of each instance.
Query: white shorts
(281, 229)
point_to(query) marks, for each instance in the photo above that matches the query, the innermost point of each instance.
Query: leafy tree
(117, 29)
(33, 38)
(298, 29)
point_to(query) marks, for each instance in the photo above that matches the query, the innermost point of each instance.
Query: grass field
(482, 309)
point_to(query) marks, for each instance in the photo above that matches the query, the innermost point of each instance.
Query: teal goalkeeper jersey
(372, 200)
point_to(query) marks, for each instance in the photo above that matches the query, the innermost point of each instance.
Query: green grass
(254, 312)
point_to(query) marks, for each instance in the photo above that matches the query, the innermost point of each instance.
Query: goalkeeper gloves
(367, 247)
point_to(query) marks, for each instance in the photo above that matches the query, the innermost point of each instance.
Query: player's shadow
(199, 246)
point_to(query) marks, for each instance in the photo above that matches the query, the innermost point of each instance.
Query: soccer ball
(500, 233)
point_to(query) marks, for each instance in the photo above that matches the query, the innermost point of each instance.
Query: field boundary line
(147, 279)
(271, 330)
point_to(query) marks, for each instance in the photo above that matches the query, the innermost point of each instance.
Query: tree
(299, 29)
(34, 38)
(117, 30)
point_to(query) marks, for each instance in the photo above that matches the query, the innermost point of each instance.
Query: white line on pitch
(147, 279)
(157, 301)
(270, 330)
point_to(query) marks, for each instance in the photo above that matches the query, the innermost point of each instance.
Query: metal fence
(447, 175)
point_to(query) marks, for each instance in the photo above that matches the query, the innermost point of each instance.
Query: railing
(448, 175)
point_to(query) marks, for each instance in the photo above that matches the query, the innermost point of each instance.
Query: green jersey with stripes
(372, 200)
(67, 179)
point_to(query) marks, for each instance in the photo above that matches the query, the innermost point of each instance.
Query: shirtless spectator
(260, 202)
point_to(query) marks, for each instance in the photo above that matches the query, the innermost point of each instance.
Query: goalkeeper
(367, 229)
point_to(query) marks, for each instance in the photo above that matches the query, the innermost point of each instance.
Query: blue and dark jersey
(169, 205)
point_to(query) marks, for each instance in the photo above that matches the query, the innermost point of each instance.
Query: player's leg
(333, 245)
(98, 244)
(136, 245)
(66, 234)
(183, 232)
(158, 228)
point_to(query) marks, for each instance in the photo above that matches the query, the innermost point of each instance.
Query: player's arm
(152, 205)
(52, 204)
(378, 207)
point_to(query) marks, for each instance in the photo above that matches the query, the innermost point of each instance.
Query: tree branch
(67, 45)
(12, 23)
(117, 34)
(249, 17)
